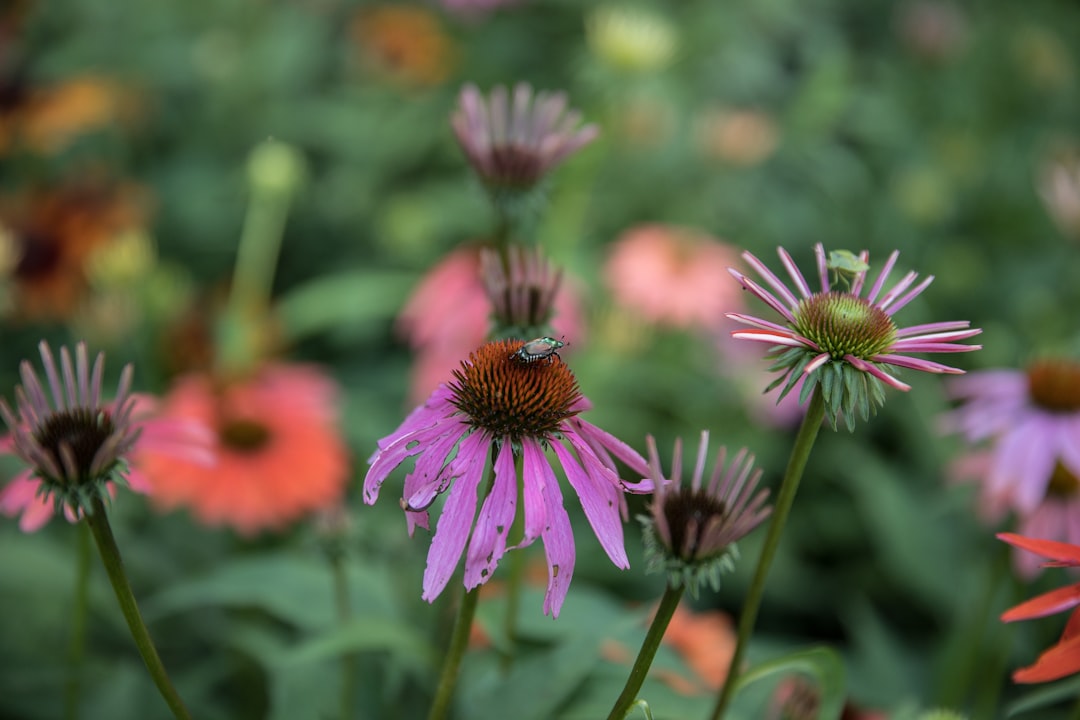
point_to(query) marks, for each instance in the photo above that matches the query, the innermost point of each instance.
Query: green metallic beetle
(538, 349)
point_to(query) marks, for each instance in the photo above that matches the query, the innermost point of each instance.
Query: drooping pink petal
(488, 543)
(595, 486)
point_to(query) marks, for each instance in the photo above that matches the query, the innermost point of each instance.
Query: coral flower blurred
(839, 341)
(506, 408)
(1063, 658)
(667, 275)
(278, 452)
(407, 44)
(448, 314)
(52, 234)
(1031, 421)
(79, 445)
(706, 641)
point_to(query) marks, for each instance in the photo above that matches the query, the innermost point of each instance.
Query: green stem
(800, 453)
(114, 568)
(668, 603)
(459, 641)
(344, 611)
(77, 646)
(257, 256)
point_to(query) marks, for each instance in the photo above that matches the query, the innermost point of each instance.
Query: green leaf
(1046, 695)
(822, 663)
(368, 634)
(345, 300)
(295, 589)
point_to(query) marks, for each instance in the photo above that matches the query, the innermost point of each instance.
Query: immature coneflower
(450, 312)
(1026, 426)
(840, 341)
(1063, 658)
(503, 406)
(522, 291)
(513, 142)
(278, 453)
(690, 532)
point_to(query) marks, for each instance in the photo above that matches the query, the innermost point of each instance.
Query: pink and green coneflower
(840, 340)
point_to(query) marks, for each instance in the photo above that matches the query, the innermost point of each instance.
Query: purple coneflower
(842, 342)
(690, 531)
(502, 407)
(1025, 429)
(513, 142)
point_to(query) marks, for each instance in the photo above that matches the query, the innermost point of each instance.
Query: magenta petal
(454, 524)
(432, 473)
(596, 488)
(387, 458)
(598, 438)
(536, 475)
(488, 543)
(558, 539)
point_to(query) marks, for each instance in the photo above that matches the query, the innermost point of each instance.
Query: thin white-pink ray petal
(774, 282)
(933, 327)
(918, 364)
(762, 294)
(883, 276)
(757, 322)
(911, 295)
(816, 363)
(860, 364)
(890, 297)
(771, 337)
(793, 272)
(822, 267)
(860, 277)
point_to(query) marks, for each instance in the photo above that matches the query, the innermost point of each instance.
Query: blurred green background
(926, 126)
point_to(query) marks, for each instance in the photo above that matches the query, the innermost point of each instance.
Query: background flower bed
(922, 126)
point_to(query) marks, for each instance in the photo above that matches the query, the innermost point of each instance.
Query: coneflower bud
(690, 532)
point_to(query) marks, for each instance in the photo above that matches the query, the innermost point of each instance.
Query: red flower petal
(1049, 603)
(1059, 661)
(1061, 553)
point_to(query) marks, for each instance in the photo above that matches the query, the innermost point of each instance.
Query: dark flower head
(840, 341)
(513, 142)
(76, 443)
(522, 291)
(691, 531)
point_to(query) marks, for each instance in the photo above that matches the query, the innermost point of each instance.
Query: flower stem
(114, 568)
(668, 603)
(348, 660)
(77, 646)
(459, 640)
(800, 453)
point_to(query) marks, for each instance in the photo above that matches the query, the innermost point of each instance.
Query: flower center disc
(243, 435)
(1063, 484)
(1054, 385)
(844, 324)
(689, 513)
(509, 397)
(84, 430)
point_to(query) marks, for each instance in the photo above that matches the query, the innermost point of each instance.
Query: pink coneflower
(667, 275)
(449, 314)
(78, 446)
(1026, 426)
(690, 531)
(512, 142)
(278, 452)
(502, 407)
(840, 341)
(1064, 658)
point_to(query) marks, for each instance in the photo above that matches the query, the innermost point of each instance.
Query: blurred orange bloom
(706, 641)
(49, 118)
(279, 454)
(405, 43)
(49, 234)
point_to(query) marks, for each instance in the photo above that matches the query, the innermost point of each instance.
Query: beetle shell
(537, 349)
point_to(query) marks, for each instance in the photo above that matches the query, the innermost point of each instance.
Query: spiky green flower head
(842, 343)
(690, 532)
(76, 444)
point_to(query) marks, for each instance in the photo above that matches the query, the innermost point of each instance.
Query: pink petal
(488, 543)
(596, 488)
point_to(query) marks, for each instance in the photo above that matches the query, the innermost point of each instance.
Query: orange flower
(53, 232)
(279, 454)
(405, 43)
(706, 641)
(50, 118)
